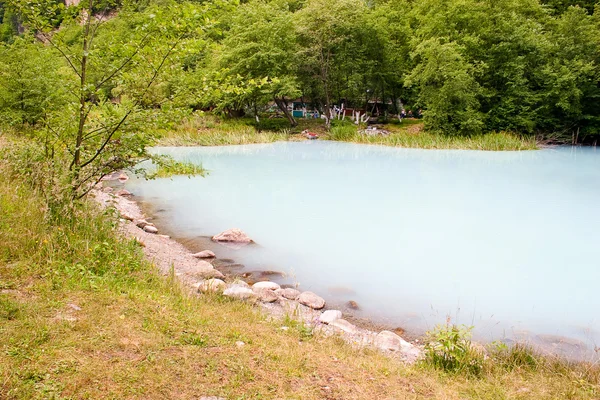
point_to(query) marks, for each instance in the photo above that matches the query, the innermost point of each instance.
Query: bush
(449, 348)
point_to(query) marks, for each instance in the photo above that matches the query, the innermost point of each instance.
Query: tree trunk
(82, 94)
(283, 107)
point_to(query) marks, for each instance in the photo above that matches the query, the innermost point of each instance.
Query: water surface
(505, 241)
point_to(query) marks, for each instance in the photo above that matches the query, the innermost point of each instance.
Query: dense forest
(92, 81)
(471, 65)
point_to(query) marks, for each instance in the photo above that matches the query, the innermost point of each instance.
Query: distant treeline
(471, 66)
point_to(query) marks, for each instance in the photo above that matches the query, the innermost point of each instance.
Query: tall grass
(208, 130)
(403, 137)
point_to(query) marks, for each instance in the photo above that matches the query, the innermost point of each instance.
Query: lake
(504, 241)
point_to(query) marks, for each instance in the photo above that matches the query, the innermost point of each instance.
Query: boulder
(266, 285)
(150, 229)
(329, 316)
(386, 340)
(232, 236)
(311, 300)
(288, 293)
(204, 254)
(239, 292)
(211, 285)
(123, 177)
(266, 295)
(344, 326)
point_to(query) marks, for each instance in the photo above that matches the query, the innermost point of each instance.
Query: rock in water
(311, 300)
(353, 305)
(232, 236)
(386, 340)
(329, 316)
(265, 285)
(204, 254)
(211, 285)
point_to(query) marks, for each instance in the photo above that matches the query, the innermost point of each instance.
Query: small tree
(97, 133)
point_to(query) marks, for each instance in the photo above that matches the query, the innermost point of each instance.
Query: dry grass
(138, 335)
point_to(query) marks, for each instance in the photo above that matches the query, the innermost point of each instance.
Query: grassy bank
(208, 130)
(82, 315)
(410, 134)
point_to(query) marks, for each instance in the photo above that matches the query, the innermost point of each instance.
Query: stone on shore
(386, 340)
(344, 325)
(123, 192)
(239, 292)
(311, 300)
(232, 236)
(150, 229)
(212, 273)
(266, 295)
(204, 254)
(288, 293)
(211, 285)
(126, 216)
(329, 316)
(141, 223)
(266, 285)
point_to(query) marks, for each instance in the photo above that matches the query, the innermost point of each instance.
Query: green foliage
(168, 168)
(31, 82)
(449, 348)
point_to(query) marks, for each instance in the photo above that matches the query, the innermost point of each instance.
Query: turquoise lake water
(505, 241)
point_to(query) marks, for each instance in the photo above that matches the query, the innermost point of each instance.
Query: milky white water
(505, 241)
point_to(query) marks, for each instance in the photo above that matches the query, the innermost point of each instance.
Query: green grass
(208, 130)
(84, 315)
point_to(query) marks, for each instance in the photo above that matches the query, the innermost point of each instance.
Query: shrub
(449, 348)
